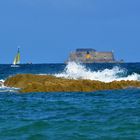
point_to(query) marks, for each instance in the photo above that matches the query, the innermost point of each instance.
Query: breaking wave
(6, 89)
(78, 71)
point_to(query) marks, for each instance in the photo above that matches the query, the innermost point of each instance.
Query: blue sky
(47, 30)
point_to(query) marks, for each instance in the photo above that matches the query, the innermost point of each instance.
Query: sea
(101, 115)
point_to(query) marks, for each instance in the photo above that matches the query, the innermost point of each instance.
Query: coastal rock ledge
(48, 83)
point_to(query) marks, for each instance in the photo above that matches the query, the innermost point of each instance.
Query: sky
(48, 30)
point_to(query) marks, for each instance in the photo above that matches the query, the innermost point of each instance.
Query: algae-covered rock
(48, 83)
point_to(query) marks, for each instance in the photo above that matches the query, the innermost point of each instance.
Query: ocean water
(107, 115)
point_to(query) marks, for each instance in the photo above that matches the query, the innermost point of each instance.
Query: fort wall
(91, 56)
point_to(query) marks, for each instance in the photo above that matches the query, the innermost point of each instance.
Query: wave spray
(78, 71)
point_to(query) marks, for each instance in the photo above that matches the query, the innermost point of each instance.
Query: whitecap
(78, 71)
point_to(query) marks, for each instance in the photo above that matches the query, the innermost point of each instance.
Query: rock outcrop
(48, 83)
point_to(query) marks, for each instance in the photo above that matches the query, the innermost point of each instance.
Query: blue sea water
(105, 115)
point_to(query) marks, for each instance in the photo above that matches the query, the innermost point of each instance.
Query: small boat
(16, 61)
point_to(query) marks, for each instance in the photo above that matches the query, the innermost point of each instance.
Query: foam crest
(79, 71)
(6, 89)
(2, 83)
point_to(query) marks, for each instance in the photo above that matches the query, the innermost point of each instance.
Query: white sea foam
(2, 83)
(6, 89)
(79, 71)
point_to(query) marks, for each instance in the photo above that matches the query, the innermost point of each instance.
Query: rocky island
(48, 83)
(89, 55)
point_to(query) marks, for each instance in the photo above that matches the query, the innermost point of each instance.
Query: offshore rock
(48, 83)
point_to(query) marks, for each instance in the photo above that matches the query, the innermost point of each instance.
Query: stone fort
(89, 55)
